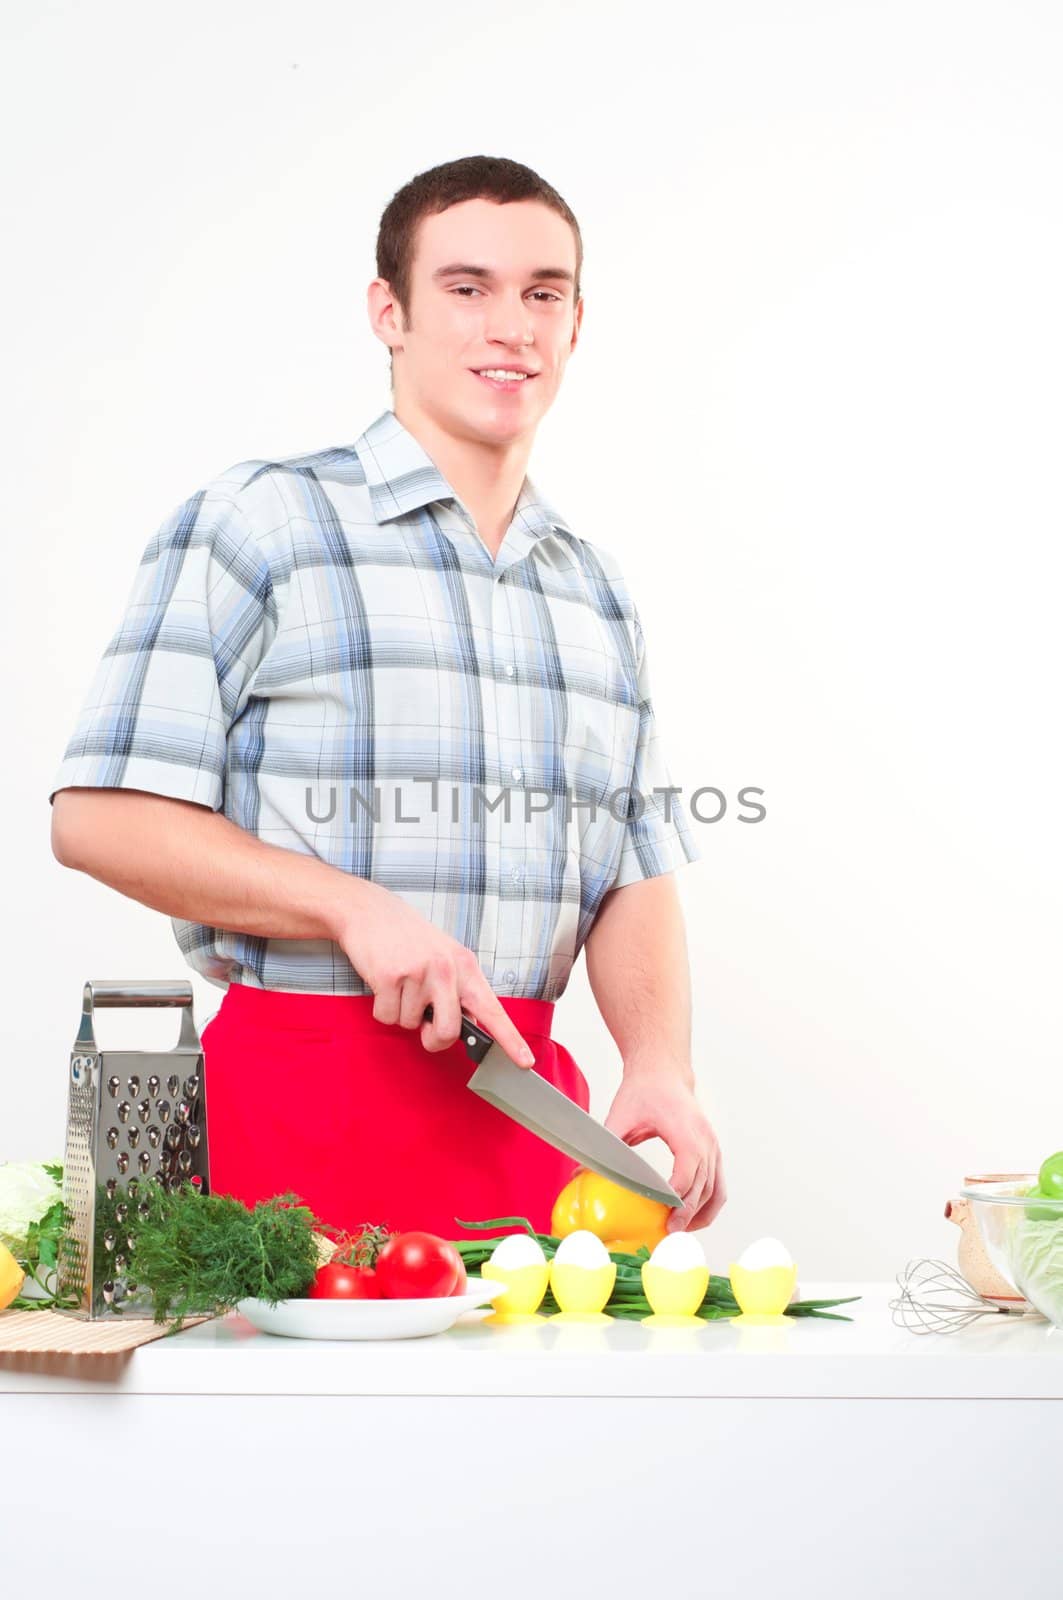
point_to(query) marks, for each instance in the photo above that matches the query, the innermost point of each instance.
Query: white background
(815, 411)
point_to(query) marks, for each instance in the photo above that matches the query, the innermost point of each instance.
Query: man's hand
(410, 964)
(660, 1103)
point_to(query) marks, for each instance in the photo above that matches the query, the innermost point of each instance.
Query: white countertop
(992, 1358)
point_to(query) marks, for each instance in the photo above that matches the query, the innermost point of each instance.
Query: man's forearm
(639, 973)
(193, 863)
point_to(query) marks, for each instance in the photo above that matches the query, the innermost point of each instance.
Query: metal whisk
(935, 1298)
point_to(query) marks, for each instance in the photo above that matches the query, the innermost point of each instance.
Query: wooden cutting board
(50, 1333)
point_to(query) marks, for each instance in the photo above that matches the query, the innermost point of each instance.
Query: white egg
(582, 1249)
(766, 1252)
(678, 1252)
(518, 1250)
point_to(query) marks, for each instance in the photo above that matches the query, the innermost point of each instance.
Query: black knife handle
(477, 1040)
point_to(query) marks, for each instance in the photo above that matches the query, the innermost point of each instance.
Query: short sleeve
(175, 674)
(662, 838)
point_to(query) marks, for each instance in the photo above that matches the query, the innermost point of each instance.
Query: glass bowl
(1023, 1238)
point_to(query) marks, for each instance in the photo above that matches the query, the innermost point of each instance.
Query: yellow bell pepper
(622, 1219)
(12, 1277)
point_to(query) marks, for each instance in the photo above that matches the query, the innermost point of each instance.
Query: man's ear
(385, 313)
(577, 320)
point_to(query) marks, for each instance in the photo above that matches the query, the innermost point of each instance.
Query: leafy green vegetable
(1034, 1244)
(1036, 1256)
(628, 1299)
(204, 1253)
(40, 1256)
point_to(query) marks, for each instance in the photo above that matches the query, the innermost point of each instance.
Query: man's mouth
(502, 379)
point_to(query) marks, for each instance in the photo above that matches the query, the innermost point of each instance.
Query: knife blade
(527, 1097)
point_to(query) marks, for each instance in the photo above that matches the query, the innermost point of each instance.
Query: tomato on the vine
(336, 1280)
(462, 1281)
(418, 1266)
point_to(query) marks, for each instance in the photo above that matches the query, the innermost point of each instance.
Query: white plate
(367, 1319)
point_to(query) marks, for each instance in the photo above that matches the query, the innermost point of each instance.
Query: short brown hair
(439, 188)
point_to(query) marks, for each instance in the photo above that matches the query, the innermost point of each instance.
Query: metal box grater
(134, 1118)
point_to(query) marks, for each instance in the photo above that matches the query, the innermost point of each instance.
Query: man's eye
(462, 287)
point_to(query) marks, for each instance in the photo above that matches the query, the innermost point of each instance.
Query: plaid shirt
(323, 648)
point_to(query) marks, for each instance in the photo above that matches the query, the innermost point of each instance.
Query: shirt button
(509, 670)
(509, 974)
(516, 874)
(516, 773)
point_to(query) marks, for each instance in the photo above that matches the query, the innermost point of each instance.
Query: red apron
(308, 1092)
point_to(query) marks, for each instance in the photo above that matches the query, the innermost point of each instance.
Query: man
(367, 733)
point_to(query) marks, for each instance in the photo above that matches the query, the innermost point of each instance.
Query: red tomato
(334, 1281)
(417, 1266)
(462, 1283)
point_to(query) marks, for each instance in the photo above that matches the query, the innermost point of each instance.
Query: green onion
(628, 1299)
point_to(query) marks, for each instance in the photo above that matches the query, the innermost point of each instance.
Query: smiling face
(490, 286)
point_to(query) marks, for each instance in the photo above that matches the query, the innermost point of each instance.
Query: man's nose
(509, 320)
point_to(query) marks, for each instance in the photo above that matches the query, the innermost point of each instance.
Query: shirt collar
(402, 477)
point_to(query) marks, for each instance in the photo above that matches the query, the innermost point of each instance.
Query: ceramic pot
(971, 1258)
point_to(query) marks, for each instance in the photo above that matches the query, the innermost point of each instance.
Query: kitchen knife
(527, 1097)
